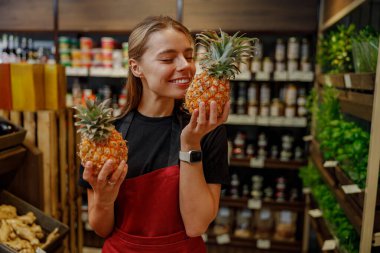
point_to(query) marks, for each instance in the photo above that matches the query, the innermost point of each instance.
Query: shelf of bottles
(17, 49)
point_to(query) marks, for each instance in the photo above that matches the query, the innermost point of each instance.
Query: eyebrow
(171, 51)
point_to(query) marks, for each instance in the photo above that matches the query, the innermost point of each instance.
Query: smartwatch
(192, 156)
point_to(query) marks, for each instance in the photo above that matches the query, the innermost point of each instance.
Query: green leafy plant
(336, 219)
(365, 47)
(335, 50)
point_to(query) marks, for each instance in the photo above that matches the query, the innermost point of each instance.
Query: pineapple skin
(206, 88)
(114, 147)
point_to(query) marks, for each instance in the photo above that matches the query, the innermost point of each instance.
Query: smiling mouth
(182, 82)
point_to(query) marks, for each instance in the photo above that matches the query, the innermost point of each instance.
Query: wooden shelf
(353, 213)
(11, 159)
(267, 163)
(352, 81)
(254, 244)
(97, 72)
(247, 120)
(320, 227)
(296, 206)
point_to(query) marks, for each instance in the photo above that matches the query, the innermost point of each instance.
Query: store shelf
(11, 159)
(296, 76)
(267, 163)
(97, 72)
(296, 206)
(264, 245)
(353, 213)
(319, 225)
(235, 119)
(356, 104)
(351, 81)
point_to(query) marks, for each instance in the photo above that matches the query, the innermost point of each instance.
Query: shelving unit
(359, 96)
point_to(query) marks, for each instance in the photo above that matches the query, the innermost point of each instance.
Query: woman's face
(167, 66)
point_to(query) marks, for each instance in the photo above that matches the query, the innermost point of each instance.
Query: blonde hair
(136, 48)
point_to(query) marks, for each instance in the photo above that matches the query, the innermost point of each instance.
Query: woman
(165, 203)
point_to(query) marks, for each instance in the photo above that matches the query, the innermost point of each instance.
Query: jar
(301, 100)
(252, 93)
(107, 43)
(264, 94)
(301, 111)
(305, 66)
(292, 65)
(280, 50)
(85, 43)
(267, 65)
(305, 49)
(264, 110)
(256, 66)
(293, 48)
(290, 111)
(280, 66)
(253, 110)
(291, 94)
(276, 108)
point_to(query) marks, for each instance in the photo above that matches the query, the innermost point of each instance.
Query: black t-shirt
(149, 143)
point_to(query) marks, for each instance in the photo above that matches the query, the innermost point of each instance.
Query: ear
(135, 68)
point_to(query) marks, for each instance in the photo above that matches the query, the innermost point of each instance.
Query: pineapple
(99, 138)
(219, 64)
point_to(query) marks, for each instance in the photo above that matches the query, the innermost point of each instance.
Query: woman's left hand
(200, 125)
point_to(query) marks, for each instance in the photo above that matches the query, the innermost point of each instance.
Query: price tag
(205, 237)
(39, 250)
(256, 163)
(307, 138)
(280, 76)
(276, 121)
(306, 190)
(306, 76)
(262, 121)
(262, 76)
(329, 245)
(315, 213)
(263, 244)
(330, 164)
(351, 189)
(328, 81)
(254, 204)
(223, 239)
(347, 81)
(293, 76)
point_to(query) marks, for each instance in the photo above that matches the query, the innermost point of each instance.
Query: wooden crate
(48, 179)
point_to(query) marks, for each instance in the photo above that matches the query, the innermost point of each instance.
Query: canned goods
(107, 43)
(86, 43)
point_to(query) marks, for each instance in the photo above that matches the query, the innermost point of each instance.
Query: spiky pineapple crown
(95, 121)
(224, 53)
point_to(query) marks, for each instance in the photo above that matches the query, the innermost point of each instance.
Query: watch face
(195, 156)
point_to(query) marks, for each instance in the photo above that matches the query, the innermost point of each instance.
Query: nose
(183, 63)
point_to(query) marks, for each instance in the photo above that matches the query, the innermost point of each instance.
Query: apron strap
(126, 123)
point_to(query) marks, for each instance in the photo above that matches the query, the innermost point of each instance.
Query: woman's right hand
(107, 183)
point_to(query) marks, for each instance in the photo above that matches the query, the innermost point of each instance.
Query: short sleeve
(215, 156)
(81, 181)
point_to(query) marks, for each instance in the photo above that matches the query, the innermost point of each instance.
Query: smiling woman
(177, 162)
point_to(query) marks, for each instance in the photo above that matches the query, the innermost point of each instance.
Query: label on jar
(280, 52)
(268, 66)
(264, 94)
(290, 111)
(264, 111)
(292, 66)
(291, 95)
(255, 66)
(293, 49)
(252, 93)
(252, 110)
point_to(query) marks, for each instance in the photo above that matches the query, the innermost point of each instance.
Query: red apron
(148, 218)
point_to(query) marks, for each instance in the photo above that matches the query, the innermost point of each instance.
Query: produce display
(332, 212)
(21, 233)
(219, 64)
(100, 140)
